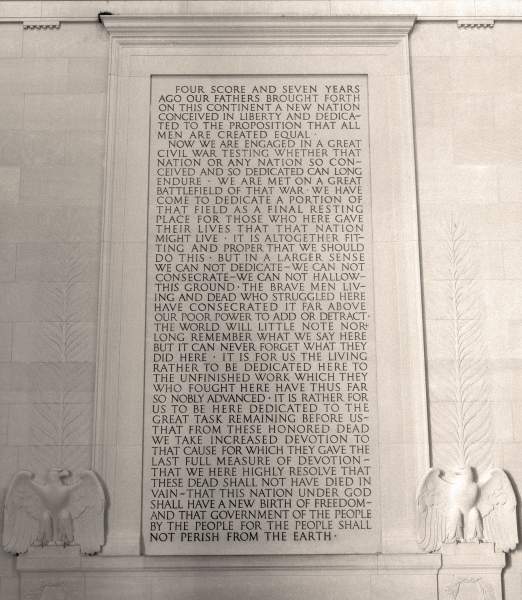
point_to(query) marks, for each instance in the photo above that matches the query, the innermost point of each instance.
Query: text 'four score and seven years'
(260, 398)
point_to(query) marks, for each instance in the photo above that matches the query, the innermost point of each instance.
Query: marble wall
(467, 93)
(467, 87)
(52, 122)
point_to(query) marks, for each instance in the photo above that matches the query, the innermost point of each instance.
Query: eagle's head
(464, 473)
(56, 475)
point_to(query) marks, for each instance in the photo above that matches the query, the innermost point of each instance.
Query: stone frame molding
(373, 46)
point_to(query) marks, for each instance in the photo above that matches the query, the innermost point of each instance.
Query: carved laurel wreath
(486, 589)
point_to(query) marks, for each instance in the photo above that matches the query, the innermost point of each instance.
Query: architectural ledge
(352, 31)
(55, 558)
(472, 556)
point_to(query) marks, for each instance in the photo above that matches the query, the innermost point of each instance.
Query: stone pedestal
(471, 572)
(49, 573)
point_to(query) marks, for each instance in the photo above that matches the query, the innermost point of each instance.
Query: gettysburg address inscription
(260, 404)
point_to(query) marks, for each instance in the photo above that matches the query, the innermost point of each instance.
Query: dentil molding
(475, 23)
(41, 24)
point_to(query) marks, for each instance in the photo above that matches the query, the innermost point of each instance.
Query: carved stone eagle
(41, 513)
(458, 508)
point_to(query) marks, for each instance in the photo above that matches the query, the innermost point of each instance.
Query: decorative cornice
(475, 23)
(345, 31)
(41, 24)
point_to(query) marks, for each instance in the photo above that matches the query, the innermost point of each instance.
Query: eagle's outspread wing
(87, 508)
(497, 506)
(23, 511)
(432, 509)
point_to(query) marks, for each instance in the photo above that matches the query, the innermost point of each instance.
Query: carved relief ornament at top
(52, 512)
